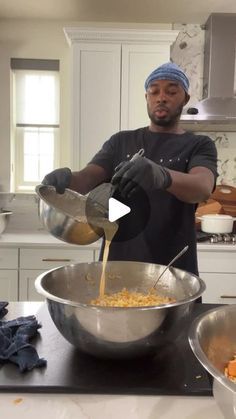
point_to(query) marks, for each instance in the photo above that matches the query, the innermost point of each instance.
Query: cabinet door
(8, 285)
(220, 288)
(217, 261)
(49, 258)
(96, 98)
(8, 258)
(27, 291)
(137, 63)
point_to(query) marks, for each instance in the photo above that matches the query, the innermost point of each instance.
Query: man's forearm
(193, 187)
(87, 179)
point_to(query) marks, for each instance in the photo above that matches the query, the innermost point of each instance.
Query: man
(163, 188)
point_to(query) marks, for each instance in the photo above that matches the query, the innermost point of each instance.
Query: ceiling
(138, 11)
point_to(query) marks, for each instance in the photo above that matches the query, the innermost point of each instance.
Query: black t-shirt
(167, 224)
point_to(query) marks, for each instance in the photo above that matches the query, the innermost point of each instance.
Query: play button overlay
(116, 209)
(131, 214)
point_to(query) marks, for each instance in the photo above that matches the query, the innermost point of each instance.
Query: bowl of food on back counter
(78, 305)
(212, 337)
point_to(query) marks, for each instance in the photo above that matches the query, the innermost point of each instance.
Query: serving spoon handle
(170, 263)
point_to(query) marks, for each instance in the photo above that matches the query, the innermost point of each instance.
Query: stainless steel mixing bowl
(65, 216)
(113, 332)
(213, 340)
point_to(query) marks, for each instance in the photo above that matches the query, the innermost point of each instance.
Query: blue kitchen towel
(3, 309)
(14, 343)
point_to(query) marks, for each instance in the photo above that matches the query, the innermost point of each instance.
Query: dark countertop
(173, 371)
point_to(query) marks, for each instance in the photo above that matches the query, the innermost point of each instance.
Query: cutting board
(226, 196)
(173, 371)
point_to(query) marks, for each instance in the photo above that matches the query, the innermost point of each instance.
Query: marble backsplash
(188, 52)
(226, 148)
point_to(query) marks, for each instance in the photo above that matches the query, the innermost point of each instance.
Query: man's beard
(169, 120)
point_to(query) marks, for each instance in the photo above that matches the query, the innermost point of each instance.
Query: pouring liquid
(110, 230)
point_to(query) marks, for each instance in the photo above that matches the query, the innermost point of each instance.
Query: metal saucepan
(70, 217)
(217, 223)
(117, 332)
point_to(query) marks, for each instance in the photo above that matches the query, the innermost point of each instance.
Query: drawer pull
(56, 260)
(228, 296)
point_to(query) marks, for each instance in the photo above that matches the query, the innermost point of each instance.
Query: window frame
(18, 130)
(20, 184)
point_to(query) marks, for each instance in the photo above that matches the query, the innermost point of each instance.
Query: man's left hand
(141, 173)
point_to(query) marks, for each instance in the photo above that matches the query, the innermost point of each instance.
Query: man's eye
(172, 92)
(153, 92)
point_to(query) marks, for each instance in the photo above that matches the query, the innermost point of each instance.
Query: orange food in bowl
(230, 370)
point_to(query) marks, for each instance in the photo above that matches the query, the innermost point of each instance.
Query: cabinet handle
(56, 260)
(228, 296)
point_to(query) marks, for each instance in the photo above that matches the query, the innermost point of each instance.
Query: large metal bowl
(65, 215)
(112, 332)
(213, 340)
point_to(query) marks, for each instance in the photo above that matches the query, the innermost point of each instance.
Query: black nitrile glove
(60, 178)
(141, 173)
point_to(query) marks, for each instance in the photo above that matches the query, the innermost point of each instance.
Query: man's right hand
(60, 178)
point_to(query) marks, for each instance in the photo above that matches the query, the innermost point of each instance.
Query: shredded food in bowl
(125, 298)
(230, 369)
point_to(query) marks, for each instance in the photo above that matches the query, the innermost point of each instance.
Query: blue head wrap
(168, 71)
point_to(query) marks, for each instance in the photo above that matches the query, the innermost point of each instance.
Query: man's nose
(161, 96)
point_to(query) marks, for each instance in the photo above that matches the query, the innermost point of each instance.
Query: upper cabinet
(109, 68)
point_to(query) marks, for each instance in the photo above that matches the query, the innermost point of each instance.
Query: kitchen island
(40, 403)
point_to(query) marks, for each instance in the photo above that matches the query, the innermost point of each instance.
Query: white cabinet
(19, 268)
(217, 268)
(109, 68)
(221, 288)
(48, 258)
(138, 60)
(27, 291)
(96, 98)
(8, 285)
(8, 274)
(35, 261)
(8, 258)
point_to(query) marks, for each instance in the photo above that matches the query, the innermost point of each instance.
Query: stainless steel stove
(227, 238)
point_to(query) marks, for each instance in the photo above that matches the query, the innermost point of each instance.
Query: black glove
(60, 178)
(141, 173)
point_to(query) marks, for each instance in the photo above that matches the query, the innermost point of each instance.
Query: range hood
(219, 102)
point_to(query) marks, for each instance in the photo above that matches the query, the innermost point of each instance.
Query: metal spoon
(171, 262)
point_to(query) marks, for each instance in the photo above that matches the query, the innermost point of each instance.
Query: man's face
(165, 102)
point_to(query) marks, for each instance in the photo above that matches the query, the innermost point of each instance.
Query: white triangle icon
(116, 209)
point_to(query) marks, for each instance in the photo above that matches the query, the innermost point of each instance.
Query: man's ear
(146, 95)
(187, 97)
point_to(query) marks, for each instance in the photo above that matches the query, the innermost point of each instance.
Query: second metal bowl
(213, 340)
(65, 216)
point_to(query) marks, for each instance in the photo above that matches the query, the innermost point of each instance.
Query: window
(35, 121)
